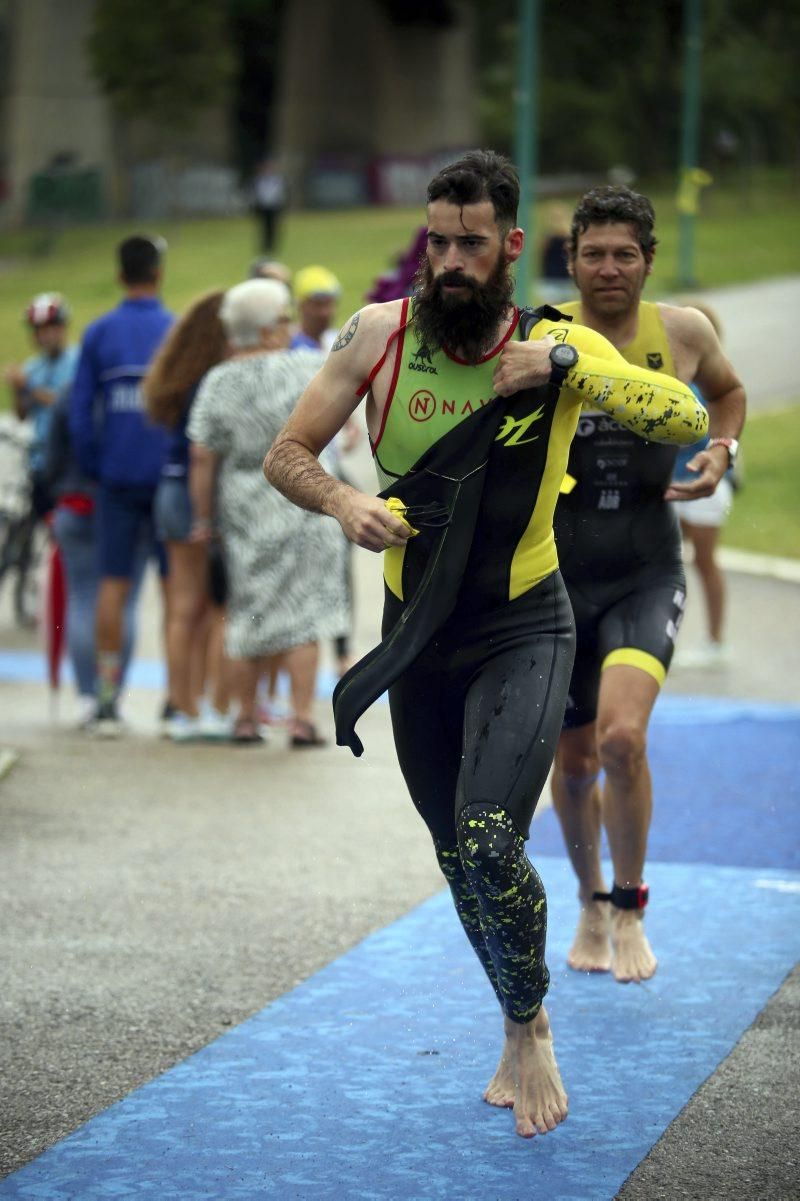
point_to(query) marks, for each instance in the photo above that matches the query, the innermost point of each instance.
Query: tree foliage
(163, 61)
(611, 78)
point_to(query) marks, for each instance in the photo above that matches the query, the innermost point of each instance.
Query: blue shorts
(173, 509)
(124, 520)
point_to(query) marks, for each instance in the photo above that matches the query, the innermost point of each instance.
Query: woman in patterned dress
(285, 569)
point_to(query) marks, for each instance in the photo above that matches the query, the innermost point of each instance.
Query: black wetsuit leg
(476, 720)
(427, 718)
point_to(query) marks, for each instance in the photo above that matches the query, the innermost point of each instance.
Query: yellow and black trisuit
(618, 540)
(478, 633)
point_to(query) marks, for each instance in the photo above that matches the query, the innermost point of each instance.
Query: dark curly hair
(615, 203)
(476, 176)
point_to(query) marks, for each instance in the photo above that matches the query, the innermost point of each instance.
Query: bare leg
(217, 665)
(185, 611)
(199, 655)
(704, 540)
(244, 675)
(627, 696)
(111, 597)
(301, 664)
(576, 799)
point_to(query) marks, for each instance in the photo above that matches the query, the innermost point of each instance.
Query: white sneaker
(214, 726)
(87, 709)
(107, 722)
(183, 728)
(712, 656)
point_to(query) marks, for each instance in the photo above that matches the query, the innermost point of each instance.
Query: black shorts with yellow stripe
(631, 621)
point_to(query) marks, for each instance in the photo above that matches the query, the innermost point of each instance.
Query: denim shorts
(173, 510)
(124, 524)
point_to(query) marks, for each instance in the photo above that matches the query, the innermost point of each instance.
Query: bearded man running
(470, 427)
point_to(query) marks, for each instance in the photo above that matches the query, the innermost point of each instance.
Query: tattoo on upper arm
(346, 333)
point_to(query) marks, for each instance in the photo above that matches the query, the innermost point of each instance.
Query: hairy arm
(722, 391)
(652, 405)
(292, 465)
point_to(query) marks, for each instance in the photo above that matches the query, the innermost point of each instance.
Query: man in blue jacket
(116, 445)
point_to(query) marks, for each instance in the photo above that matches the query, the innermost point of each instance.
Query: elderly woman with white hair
(285, 589)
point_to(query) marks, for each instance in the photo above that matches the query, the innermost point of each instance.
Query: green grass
(766, 510)
(203, 254)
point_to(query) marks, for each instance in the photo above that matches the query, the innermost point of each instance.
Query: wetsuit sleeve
(653, 405)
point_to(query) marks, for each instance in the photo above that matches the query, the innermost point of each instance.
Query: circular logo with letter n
(422, 405)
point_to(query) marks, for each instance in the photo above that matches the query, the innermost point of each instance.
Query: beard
(468, 325)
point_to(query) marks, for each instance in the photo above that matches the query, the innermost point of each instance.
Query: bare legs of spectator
(301, 663)
(186, 608)
(112, 596)
(704, 540)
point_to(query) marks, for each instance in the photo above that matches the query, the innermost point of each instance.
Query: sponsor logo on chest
(421, 361)
(424, 404)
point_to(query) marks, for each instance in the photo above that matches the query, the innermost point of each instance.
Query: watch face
(563, 355)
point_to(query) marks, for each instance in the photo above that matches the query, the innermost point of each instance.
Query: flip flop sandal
(304, 734)
(245, 732)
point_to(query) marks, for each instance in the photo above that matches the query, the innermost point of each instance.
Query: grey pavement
(154, 895)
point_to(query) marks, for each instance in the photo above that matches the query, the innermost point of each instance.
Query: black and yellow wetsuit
(477, 702)
(618, 539)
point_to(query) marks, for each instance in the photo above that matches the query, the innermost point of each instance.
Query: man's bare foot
(528, 1076)
(632, 960)
(591, 949)
(501, 1090)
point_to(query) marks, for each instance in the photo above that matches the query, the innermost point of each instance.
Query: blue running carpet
(726, 788)
(365, 1081)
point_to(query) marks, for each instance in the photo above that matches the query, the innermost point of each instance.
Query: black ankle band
(625, 898)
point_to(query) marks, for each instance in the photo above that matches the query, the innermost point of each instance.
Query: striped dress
(286, 567)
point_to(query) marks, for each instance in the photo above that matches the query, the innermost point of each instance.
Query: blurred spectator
(396, 284)
(316, 291)
(701, 523)
(266, 268)
(269, 201)
(73, 495)
(195, 343)
(116, 445)
(37, 384)
(555, 282)
(284, 564)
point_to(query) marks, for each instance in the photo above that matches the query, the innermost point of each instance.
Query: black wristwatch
(563, 357)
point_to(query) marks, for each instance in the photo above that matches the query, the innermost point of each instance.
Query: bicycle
(23, 537)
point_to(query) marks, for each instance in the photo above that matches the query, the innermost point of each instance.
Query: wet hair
(140, 259)
(619, 204)
(194, 344)
(476, 176)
